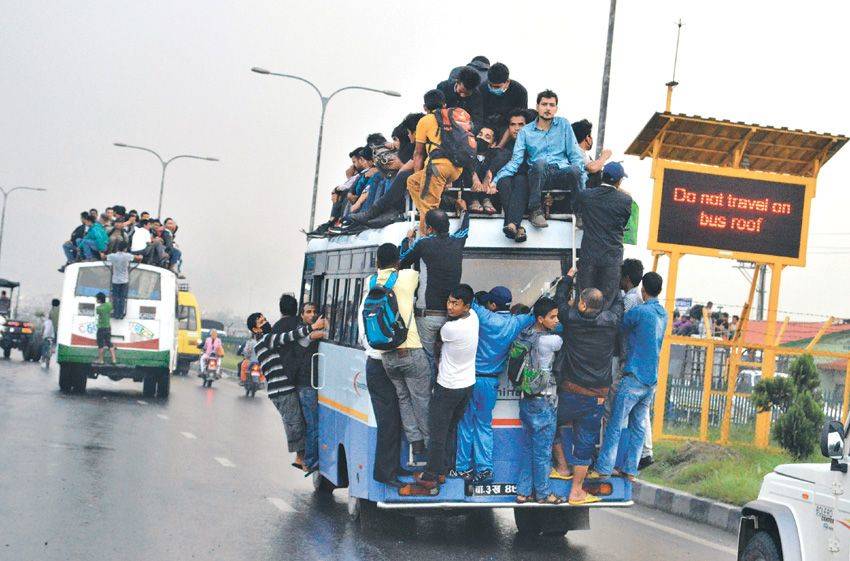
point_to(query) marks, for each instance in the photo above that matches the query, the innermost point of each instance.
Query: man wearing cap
(605, 211)
(497, 329)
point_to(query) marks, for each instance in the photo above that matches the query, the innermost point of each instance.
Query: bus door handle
(313, 378)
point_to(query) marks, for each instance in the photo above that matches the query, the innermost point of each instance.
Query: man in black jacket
(70, 247)
(463, 92)
(584, 374)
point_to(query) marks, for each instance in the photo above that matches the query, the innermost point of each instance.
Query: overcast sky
(175, 76)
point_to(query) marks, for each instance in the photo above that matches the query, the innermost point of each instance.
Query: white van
(803, 510)
(145, 339)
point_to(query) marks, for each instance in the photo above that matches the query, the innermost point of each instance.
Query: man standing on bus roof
(443, 257)
(497, 330)
(453, 389)
(276, 355)
(605, 211)
(407, 365)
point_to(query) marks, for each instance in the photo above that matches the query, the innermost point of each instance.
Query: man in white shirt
(141, 238)
(455, 379)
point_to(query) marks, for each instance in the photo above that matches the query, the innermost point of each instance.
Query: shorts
(104, 338)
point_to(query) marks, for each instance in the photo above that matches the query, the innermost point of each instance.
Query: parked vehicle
(210, 369)
(803, 510)
(15, 332)
(189, 329)
(145, 339)
(253, 379)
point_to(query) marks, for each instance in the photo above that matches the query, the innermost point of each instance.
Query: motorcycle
(211, 370)
(254, 379)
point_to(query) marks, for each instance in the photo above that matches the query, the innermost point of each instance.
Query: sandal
(624, 475)
(509, 231)
(520, 235)
(555, 474)
(488, 207)
(522, 499)
(589, 499)
(552, 499)
(475, 207)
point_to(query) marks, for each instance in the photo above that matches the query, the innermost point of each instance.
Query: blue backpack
(385, 328)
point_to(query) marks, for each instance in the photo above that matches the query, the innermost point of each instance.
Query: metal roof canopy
(9, 284)
(715, 142)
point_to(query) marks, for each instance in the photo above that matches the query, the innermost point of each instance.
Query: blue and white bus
(335, 273)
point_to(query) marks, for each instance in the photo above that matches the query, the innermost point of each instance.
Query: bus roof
(484, 233)
(83, 264)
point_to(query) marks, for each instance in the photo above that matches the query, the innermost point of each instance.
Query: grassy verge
(231, 360)
(731, 474)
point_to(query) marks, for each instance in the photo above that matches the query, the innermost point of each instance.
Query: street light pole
(606, 79)
(3, 213)
(325, 101)
(164, 164)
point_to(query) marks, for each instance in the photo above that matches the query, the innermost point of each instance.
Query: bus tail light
(213, 363)
(13, 324)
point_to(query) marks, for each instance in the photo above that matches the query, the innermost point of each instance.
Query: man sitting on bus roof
(593, 167)
(549, 146)
(407, 365)
(443, 257)
(276, 355)
(585, 374)
(497, 330)
(605, 211)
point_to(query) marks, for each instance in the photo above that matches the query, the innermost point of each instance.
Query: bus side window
(355, 295)
(338, 334)
(331, 287)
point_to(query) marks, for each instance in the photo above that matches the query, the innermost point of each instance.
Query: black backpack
(456, 141)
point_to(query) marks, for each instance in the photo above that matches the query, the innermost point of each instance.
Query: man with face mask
(500, 95)
(478, 181)
(277, 353)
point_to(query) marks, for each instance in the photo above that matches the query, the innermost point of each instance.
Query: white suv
(803, 510)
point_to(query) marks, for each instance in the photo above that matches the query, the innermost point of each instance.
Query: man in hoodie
(497, 330)
(95, 240)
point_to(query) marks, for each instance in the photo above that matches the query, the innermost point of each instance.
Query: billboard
(733, 213)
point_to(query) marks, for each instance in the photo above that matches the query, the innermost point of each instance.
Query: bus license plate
(490, 489)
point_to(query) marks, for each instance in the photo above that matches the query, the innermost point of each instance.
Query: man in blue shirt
(554, 158)
(644, 327)
(497, 329)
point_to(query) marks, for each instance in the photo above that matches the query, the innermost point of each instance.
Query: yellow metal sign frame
(659, 168)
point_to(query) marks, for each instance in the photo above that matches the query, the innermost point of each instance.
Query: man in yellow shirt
(430, 177)
(407, 365)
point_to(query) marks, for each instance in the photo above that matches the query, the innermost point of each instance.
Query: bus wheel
(365, 512)
(149, 385)
(80, 379)
(66, 378)
(163, 384)
(528, 521)
(7, 352)
(322, 484)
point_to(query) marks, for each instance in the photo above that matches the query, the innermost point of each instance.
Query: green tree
(800, 404)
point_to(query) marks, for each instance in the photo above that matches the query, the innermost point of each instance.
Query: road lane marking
(225, 462)
(673, 531)
(140, 402)
(161, 416)
(281, 505)
(189, 435)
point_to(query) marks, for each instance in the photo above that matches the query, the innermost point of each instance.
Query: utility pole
(606, 79)
(673, 83)
(760, 292)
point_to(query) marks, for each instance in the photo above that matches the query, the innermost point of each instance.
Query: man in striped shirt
(275, 352)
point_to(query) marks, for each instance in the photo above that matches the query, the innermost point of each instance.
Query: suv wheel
(761, 547)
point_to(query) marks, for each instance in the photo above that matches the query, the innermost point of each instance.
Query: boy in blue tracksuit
(496, 331)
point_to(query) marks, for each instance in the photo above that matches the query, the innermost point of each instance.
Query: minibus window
(186, 318)
(526, 278)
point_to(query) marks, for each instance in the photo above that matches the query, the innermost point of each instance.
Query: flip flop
(589, 499)
(552, 499)
(297, 466)
(556, 475)
(310, 471)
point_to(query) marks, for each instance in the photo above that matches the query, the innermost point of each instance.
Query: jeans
(447, 409)
(289, 408)
(309, 399)
(647, 420)
(604, 277)
(542, 175)
(46, 345)
(391, 202)
(538, 424)
(70, 250)
(513, 192)
(176, 259)
(428, 328)
(475, 432)
(387, 417)
(119, 300)
(632, 403)
(585, 413)
(89, 249)
(410, 373)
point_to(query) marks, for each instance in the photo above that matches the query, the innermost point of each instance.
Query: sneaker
(645, 462)
(485, 476)
(62, 268)
(509, 231)
(537, 219)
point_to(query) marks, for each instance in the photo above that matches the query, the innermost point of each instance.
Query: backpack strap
(391, 281)
(373, 280)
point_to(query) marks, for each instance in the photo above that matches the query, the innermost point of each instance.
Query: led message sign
(727, 214)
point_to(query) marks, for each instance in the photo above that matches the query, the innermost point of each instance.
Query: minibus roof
(484, 233)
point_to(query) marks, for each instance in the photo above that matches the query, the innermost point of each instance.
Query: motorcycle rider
(212, 344)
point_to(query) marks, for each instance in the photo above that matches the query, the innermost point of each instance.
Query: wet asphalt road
(205, 475)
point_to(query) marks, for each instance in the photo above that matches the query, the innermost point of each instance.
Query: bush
(798, 398)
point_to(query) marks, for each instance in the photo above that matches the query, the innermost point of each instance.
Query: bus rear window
(526, 278)
(144, 284)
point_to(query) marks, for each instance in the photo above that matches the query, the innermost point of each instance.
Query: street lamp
(164, 165)
(3, 214)
(325, 101)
